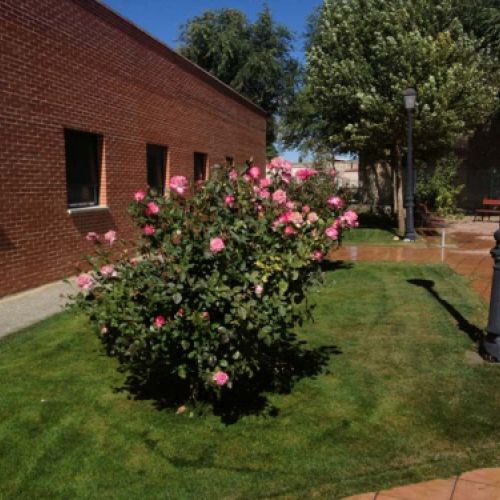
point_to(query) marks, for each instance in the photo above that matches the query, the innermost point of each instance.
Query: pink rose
(304, 173)
(151, 209)
(259, 290)
(296, 218)
(333, 172)
(290, 205)
(265, 183)
(318, 255)
(205, 315)
(279, 196)
(220, 378)
(312, 217)
(110, 236)
(217, 245)
(254, 172)
(335, 202)
(306, 209)
(108, 271)
(289, 231)
(139, 196)
(92, 236)
(149, 230)
(180, 312)
(332, 233)
(233, 175)
(179, 184)
(262, 193)
(85, 282)
(247, 178)
(279, 163)
(229, 200)
(159, 321)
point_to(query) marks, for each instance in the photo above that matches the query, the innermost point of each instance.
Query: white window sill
(83, 210)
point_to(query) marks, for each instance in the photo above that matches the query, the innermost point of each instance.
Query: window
(229, 161)
(83, 164)
(156, 161)
(200, 167)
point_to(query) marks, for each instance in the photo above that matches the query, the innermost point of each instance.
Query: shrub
(209, 303)
(439, 189)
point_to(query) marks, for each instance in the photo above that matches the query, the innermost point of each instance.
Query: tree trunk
(398, 188)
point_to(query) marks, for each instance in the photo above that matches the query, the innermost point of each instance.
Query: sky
(162, 18)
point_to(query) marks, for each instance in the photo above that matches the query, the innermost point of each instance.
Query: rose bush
(208, 304)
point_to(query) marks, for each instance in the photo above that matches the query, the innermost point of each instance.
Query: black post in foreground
(410, 98)
(491, 343)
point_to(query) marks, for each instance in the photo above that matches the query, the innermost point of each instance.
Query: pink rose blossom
(180, 312)
(333, 172)
(259, 289)
(312, 217)
(335, 202)
(262, 193)
(92, 236)
(247, 178)
(289, 231)
(85, 282)
(332, 233)
(296, 218)
(265, 183)
(217, 245)
(205, 315)
(254, 172)
(279, 163)
(139, 196)
(108, 271)
(220, 378)
(179, 184)
(159, 321)
(351, 218)
(279, 196)
(151, 209)
(233, 175)
(306, 209)
(110, 236)
(318, 255)
(229, 200)
(149, 230)
(290, 205)
(304, 173)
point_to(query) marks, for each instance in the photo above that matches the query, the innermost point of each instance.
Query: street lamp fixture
(410, 101)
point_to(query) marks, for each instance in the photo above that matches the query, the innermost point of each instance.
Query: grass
(400, 404)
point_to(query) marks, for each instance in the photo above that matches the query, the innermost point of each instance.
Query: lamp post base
(490, 348)
(410, 238)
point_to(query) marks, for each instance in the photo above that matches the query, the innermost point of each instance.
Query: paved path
(468, 254)
(23, 309)
(483, 484)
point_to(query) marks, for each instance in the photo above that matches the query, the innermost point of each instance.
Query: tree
(362, 56)
(253, 58)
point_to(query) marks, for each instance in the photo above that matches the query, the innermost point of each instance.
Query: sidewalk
(25, 308)
(482, 484)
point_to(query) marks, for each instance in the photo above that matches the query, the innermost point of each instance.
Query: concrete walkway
(23, 309)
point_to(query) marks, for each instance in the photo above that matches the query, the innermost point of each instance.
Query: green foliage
(364, 53)
(253, 58)
(438, 188)
(219, 281)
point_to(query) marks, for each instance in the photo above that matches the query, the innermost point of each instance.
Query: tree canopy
(361, 57)
(253, 58)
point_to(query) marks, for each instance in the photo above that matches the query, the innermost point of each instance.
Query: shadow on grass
(335, 265)
(474, 333)
(281, 368)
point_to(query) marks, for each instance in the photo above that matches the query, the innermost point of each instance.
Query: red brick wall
(75, 64)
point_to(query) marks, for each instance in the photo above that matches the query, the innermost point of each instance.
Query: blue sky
(162, 18)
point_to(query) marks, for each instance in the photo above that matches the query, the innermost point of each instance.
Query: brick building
(91, 109)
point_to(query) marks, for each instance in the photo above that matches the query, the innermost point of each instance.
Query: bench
(425, 218)
(490, 207)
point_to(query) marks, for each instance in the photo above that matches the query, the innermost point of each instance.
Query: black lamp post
(491, 343)
(410, 100)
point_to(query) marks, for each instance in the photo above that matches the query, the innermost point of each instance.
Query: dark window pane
(229, 161)
(82, 168)
(156, 168)
(200, 166)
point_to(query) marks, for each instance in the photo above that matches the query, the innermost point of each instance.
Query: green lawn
(401, 403)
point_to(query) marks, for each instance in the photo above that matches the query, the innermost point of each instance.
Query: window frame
(164, 151)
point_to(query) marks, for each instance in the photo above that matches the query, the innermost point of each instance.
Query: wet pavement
(466, 250)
